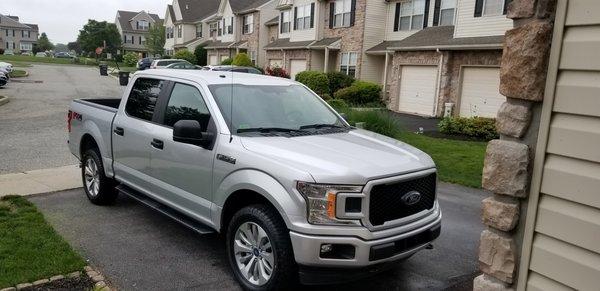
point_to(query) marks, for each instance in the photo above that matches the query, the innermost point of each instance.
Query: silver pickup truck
(297, 191)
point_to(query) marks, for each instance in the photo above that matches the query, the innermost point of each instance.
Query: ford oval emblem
(411, 198)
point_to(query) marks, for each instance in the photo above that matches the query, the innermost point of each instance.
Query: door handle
(119, 131)
(158, 144)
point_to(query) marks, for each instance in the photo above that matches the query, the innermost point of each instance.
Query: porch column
(385, 73)
(326, 67)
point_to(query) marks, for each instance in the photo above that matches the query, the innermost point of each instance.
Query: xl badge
(411, 198)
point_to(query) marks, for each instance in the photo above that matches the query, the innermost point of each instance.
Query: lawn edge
(98, 280)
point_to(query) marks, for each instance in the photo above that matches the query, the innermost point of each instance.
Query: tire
(284, 272)
(99, 189)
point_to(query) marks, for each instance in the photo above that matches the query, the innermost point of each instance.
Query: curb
(26, 75)
(3, 100)
(41, 181)
(97, 279)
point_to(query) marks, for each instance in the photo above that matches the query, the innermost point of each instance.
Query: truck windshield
(277, 108)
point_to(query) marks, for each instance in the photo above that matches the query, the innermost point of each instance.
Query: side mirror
(190, 132)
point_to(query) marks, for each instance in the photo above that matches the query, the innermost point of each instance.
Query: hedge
(360, 93)
(316, 81)
(477, 127)
(242, 60)
(227, 62)
(338, 80)
(130, 59)
(185, 55)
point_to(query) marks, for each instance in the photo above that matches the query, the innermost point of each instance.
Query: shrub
(338, 104)
(1, 51)
(360, 93)
(277, 72)
(242, 60)
(201, 55)
(477, 127)
(338, 80)
(316, 81)
(227, 62)
(130, 59)
(185, 55)
(119, 58)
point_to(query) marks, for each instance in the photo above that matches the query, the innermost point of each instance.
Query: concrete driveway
(137, 248)
(33, 123)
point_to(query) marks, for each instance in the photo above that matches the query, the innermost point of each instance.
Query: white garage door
(297, 66)
(480, 95)
(417, 89)
(212, 60)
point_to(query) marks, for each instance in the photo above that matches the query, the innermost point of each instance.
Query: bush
(130, 59)
(338, 80)
(185, 55)
(201, 55)
(338, 104)
(242, 60)
(277, 72)
(360, 93)
(477, 127)
(316, 81)
(227, 62)
(1, 51)
(119, 58)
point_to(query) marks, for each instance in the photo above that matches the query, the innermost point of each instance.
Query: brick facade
(252, 38)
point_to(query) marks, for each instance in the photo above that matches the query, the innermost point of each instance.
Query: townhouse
(184, 23)
(16, 36)
(133, 28)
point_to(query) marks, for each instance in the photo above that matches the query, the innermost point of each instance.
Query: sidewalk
(40, 181)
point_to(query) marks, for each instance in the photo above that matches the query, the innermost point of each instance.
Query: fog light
(337, 251)
(325, 248)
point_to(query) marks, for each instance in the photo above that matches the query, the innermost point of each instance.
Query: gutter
(449, 47)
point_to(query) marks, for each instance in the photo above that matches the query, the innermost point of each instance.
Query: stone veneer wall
(507, 168)
(287, 55)
(252, 38)
(273, 32)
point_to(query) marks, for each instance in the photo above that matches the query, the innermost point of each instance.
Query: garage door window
(348, 64)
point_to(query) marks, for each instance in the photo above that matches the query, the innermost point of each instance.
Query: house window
(199, 30)
(248, 25)
(285, 21)
(143, 25)
(142, 40)
(303, 17)
(213, 28)
(179, 31)
(228, 25)
(348, 63)
(343, 9)
(447, 12)
(26, 46)
(169, 32)
(493, 7)
(411, 15)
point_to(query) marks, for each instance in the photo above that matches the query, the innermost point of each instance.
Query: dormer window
(213, 28)
(410, 15)
(285, 21)
(227, 26)
(199, 30)
(143, 25)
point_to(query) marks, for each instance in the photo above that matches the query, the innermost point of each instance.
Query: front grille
(386, 201)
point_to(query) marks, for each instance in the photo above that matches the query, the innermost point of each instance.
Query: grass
(459, 162)
(18, 74)
(29, 248)
(28, 60)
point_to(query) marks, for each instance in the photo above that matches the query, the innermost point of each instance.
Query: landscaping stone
(486, 283)
(92, 274)
(502, 214)
(56, 278)
(41, 282)
(514, 117)
(505, 168)
(24, 286)
(74, 275)
(525, 59)
(9, 289)
(497, 256)
(88, 269)
(97, 278)
(521, 9)
(100, 284)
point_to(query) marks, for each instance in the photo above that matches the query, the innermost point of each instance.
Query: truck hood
(354, 157)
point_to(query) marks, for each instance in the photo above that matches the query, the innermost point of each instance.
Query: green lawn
(29, 248)
(458, 161)
(27, 60)
(18, 73)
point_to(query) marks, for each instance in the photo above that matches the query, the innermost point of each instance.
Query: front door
(182, 172)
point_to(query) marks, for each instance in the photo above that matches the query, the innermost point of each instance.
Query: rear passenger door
(132, 133)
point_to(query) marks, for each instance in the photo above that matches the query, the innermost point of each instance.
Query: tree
(74, 46)
(95, 33)
(43, 43)
(242, 60)
(155, 41)
(201, 55)
(185, 55)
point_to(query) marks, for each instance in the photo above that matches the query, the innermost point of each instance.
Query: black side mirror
(190, 132)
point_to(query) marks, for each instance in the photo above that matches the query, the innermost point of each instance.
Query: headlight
(321, 201)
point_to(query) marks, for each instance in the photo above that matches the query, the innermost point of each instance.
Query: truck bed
(111, 104)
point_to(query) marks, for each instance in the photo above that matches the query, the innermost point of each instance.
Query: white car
(41, 55)
(162, 63)
(6, 66)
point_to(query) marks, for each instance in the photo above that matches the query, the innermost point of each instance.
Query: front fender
(287, 204)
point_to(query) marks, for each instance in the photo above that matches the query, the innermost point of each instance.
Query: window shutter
(312, 15)
(352, 12)
(426, 14)
(137, 25)
(436, 12)
(478, 8)
(295, 13)
(331, 14)
(281, 22)
(506, 2)
(397, 17)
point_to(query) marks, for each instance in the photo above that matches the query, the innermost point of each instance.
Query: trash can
(123, 78)
(103, 69)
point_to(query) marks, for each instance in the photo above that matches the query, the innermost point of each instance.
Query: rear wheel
(98, 188)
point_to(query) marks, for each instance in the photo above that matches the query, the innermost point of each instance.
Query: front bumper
(307, 247)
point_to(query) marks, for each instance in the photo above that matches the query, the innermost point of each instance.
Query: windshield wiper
(268, 129)
(321, 125)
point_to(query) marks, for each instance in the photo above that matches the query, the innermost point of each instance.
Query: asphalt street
(33, 124)
(138, 249)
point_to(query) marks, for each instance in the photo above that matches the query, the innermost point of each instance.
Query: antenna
(231, 111)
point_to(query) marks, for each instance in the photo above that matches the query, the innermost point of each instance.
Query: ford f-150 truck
(297, 192)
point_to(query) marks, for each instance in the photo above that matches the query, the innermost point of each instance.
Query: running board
(165, 210)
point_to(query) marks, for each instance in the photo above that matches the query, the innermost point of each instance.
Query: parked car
(41, 55)
(6, 66)
(230, 68)
(183, 66)
(3, 79)
(63, 55)
(161, 63)
(265, 161)
(9, 53)
(144, 63)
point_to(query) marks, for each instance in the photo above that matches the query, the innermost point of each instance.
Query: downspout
(439, 80)
(385, 73)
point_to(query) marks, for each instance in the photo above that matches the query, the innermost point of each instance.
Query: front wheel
(259, 249)
(98, 188)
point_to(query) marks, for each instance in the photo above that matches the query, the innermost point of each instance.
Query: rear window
(142, 99)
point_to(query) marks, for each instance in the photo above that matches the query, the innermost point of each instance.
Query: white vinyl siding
(375, 28)
(466, 25)
(480, 94)
(417, 89)
(309, 33)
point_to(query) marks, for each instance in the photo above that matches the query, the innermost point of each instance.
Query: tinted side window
(142, 99)
(186, 103)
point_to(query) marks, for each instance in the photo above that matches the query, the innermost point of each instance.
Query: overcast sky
(62, 19)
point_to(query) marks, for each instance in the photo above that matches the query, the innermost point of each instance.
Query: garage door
(297, 66)
(480, 95)
(417, 89)
(212, 60)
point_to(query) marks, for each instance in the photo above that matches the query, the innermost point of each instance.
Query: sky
(62, 19)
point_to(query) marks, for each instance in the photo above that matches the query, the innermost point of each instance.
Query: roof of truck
(217, 77)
